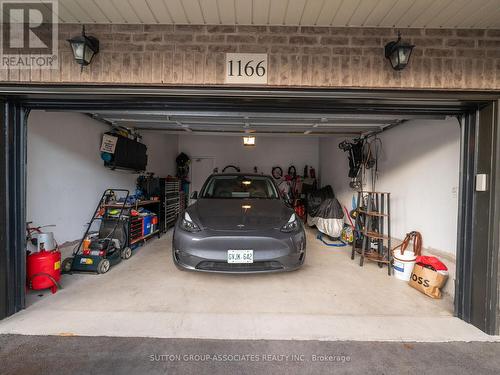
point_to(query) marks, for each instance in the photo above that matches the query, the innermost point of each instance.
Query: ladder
(372, 229)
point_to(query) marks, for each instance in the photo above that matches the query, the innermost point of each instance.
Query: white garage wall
(268, 152)
(162, 151)
(419, 166)
(66, 175)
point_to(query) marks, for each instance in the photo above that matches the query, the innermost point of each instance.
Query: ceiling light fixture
(84, 48)
(398, 53)
(249, 141)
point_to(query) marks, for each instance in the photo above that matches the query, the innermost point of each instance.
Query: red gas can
(44, 270)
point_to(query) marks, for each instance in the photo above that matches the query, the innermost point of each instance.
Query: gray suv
(239, 224)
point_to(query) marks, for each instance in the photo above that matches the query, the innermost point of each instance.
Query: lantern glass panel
(394, 57)
(78, 50)
(89, 53)
(404, 54)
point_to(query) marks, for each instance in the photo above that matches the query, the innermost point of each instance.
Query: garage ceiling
(373, 13)
(258, 123)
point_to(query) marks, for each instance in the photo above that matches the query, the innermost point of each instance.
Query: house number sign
(246, 68)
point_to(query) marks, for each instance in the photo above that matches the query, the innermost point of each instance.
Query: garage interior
(330, 297)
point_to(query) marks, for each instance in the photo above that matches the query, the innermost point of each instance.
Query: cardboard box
(427, 281)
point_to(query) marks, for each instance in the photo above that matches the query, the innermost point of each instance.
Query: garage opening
(416, 157)
(66, 177)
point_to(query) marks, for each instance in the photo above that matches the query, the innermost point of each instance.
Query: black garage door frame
(477, 282)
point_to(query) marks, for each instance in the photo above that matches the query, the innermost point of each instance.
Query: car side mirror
(194, 195)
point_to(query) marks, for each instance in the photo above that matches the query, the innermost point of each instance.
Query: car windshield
(238, 186)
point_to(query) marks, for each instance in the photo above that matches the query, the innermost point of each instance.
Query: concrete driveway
(106, 355)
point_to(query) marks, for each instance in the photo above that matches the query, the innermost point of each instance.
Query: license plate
(86, 261)
(240, 256)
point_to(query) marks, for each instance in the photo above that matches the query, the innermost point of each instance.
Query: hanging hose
(236, 169)
(56, 284)
(371, 154)
(277, 173)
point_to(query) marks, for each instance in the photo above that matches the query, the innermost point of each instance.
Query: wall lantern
(249, 141)
(84, 48)
(398, 53)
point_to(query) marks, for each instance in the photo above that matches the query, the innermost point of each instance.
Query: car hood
(240, 214)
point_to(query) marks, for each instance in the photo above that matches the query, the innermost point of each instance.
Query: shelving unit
(146, 237)
(373, 227)
(130, 206)
(135, 223)
(167, 190)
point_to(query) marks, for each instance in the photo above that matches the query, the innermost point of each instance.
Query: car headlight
(291, 225)
(188, 224)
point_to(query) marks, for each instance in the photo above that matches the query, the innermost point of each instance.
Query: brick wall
(298, 56)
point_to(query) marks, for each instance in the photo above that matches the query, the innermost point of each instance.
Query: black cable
(46, 275)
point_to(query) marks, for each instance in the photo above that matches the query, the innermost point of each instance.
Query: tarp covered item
(325, 211)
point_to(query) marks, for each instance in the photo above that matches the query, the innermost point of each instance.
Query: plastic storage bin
(147, 224)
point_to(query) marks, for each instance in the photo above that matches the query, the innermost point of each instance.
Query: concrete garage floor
(330, 298)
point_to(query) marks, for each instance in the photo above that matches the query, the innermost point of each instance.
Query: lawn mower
(98, 251)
